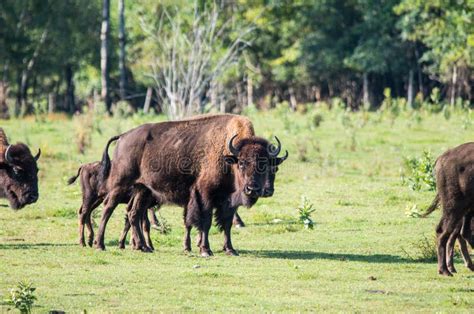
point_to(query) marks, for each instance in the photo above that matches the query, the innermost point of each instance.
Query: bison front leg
(123, 235)
(238, 222)
(199, 214)
(466, 231)
(228, 248)
(450, 249)
(146, 231)
(465, 253)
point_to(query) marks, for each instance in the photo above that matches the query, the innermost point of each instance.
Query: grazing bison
(455, 183)
(92, 196)
(18, 173)
(197, 163)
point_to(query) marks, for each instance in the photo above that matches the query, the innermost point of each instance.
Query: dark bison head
(18, 173)
(257, 163)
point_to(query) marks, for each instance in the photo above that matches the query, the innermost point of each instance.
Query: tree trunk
(104, 53)
(249, 91)
(420, 76)
(122, 38)
(365, 92)
(146, 106)
(293, 102)
(453, 87)
(70, 102)
(410, 89)
(26, 72)
(51, 103)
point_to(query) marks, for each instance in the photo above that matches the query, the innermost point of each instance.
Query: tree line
(199, 54)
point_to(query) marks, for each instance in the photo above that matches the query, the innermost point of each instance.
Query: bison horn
(3, 138)
(274, 151)
(284, 157)
(38, 154)
(7, 155)
(232, 149)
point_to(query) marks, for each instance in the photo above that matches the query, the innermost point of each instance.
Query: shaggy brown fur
(18, 173)
(188, 163)
(455, 183)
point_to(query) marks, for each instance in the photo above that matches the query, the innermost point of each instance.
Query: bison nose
(268, 192)
(252, 190)
(32, 198)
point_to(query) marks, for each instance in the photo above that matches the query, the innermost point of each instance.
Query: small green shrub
(412, 211)
(22, 297)
(304, 213)
(420, 172)
(424, 250)
(165, 226)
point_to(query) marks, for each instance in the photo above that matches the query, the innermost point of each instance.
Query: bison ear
(229, 159)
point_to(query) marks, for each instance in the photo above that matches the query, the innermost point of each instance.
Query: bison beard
(18, 173)
(189, 163)
(455, 185)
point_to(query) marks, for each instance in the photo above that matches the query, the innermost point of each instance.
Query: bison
(197, 163)
(18, 173)
(455, 184)
(92, 196)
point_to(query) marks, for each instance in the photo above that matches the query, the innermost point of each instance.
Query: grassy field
(355, 259)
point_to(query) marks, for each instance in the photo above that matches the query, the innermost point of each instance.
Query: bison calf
(455, 183)
(92, 196)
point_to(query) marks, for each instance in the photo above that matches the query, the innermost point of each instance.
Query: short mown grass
(355, 258)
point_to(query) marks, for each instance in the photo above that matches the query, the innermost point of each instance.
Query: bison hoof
(206, 253)
(82, 243)
(470, 267)
(145, 249)
(445, 272)
(121, 245)
(231, 252)
(452, 269)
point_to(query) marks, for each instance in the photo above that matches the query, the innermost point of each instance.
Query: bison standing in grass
(197, 163)
(18, 173)
(455, 183)
(93, 194)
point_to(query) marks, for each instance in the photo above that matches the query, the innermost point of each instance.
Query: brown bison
(455, 184)
(197, 164)
(18, 173)
(92, 196)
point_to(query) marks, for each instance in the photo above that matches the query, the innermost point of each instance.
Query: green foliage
(412, 211)
(422, 250)
(304, 213)
(22, 297)
(420, 172)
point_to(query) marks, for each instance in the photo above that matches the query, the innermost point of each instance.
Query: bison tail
(105, 163)
(73, 179)
(432, 207)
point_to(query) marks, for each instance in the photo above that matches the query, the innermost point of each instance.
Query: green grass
(353, 260)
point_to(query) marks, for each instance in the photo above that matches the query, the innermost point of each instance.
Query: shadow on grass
(350, 257)
(32, 246)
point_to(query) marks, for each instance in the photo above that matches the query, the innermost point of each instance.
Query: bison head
(256, 163)
(18, 173)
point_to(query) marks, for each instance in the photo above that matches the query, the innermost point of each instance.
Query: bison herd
(210, 165)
